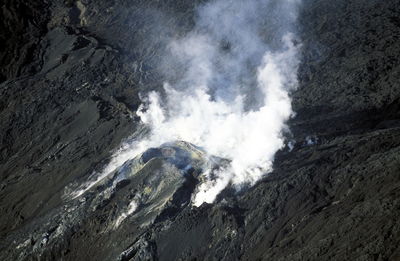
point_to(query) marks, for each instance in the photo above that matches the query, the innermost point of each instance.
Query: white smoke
(133, 205)
(229, 91)
(225, 129)
(216, 105)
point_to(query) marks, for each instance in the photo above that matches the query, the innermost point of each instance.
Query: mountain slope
(71, 76)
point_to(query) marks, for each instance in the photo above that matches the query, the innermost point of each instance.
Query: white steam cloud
(229, 90)
(233, 99)
(225, 129)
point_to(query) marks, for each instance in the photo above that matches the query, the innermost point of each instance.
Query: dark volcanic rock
(21, 28)
(151, 188)
(71, 73)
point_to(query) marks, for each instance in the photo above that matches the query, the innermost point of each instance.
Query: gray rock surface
(71, 74)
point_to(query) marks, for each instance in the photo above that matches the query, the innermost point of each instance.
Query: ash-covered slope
(71, 74)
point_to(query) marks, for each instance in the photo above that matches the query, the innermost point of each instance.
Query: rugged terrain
(71, 74)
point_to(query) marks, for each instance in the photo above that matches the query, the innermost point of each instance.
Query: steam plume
(233, 99)
(228, 88)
